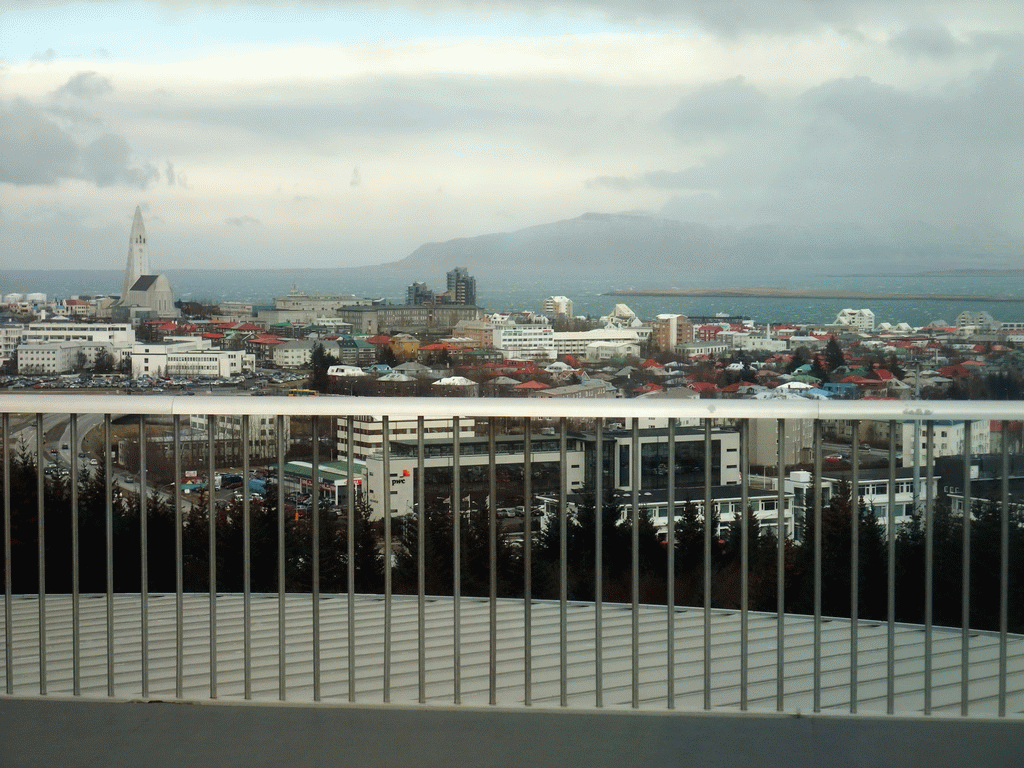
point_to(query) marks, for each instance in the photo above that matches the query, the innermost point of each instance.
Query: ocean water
(589, 297)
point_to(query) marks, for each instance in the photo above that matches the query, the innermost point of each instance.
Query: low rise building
(188, 356)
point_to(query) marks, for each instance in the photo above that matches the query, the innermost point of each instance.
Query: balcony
(865, 623)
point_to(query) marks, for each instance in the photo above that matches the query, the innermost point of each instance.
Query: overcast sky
(298, 132)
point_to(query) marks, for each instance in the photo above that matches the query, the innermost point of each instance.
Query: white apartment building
(299, 353)
(188, 356)
(114, 333)
(797, 442)
(527, 341)
(611, 350)
(368, 432)
(948, 439)
(576, 342)
(262, 432)
(10, 337)
(873, 489)
(558, 305)
(861, 319)
(61, 356)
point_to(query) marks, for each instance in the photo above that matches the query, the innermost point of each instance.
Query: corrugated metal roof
(439, 670)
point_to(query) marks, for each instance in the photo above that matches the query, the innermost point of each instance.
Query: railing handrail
(447, 407)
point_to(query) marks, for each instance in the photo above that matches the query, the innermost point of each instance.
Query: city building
(418, 293)
(439, 318)
(509, 459)
(229, 430)
(461, 287)
(144, 294)
(188, 356)
(299, 307)
(668, 331)
(11, 335)
(861, 319)
(558, 305)
(368, 432)
(55, 357)
(66, 346)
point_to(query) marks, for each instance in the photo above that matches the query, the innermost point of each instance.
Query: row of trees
(475, 554)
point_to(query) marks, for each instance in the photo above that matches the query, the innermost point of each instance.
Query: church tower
(138, 254)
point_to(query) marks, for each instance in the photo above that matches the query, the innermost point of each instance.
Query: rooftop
(365, 677)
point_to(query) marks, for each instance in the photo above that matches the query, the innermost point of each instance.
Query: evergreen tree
(320, 361)
(834, 357)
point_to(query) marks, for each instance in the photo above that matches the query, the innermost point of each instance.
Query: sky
(321, 133)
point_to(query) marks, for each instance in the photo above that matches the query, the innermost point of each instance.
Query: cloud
(169, 174)
(38, 151)
(85, 85)
(717, 108)
(729, 16)
(35, 150)
(107, 161)
(859, 150)
(242, 221)
(686, 179)
(45, 57)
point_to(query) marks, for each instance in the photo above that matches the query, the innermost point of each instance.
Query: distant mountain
(636, 248)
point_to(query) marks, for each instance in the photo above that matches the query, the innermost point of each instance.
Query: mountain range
(637, 248)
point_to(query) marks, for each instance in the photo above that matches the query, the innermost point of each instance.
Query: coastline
(801, 293)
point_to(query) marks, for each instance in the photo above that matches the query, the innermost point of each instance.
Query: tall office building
(462, 287)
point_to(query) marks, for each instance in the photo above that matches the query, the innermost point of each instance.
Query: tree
(104, 362)
(834, 357)
(836, 544)
(320, 361)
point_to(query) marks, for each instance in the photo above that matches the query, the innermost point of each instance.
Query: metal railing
(584, 612)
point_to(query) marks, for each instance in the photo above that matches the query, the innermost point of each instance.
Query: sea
(1000, 293)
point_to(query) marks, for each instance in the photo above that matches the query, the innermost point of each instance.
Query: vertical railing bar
(598, 562)
(855, 566)
(8, 571)
(528, 564)
(144, 553)
(708, 523)
(179, 572)
(890, 545)
(780, 567)
(965, 581)
(492, 523)
(108, 492)
(246, 564)
(282, 656)
(817, 565)
(634, 548)
(563, 568)
(929, 552)
(315, 544)
(421, 562)
(211, 426)
(76, 613)
(350, 613)
(41, 542)
(744, 561)
(456, 561)
(1004, 562)
(386, 449)
(670, 578)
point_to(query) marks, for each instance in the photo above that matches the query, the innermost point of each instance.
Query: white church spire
(138, 254)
